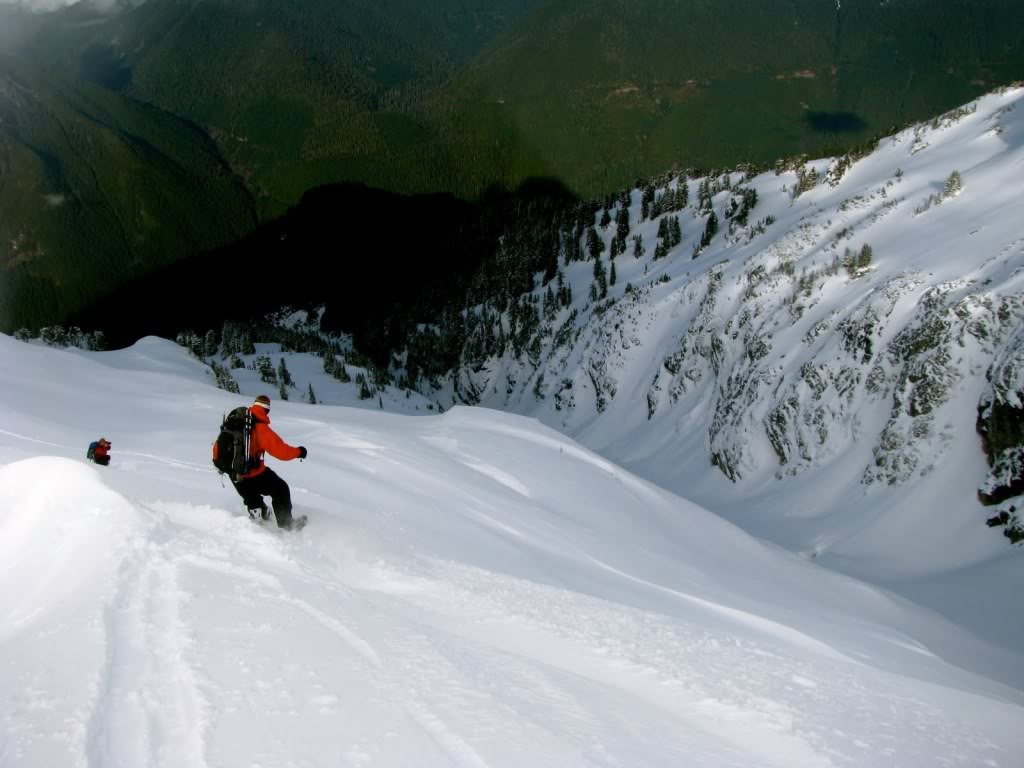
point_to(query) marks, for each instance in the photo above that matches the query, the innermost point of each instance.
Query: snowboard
(298, 522)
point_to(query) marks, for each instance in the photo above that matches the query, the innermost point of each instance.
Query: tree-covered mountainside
(456, 95)
(598, 92)
(137, 138)
(296, 94)
(96, 189)
(448, 96)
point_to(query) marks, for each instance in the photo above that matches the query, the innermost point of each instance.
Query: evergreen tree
(535, 350)
(611, 275)
(806, 180)
(645, 202)
(622, 223)
(606, 219)
(365, 391)
(658, 206)
(682, 193)
(229, 339)
(500, 343)
(748, 199)
(266, 369)
(210, 344)
(638, 247)
(595, 245)
(342, 374)
(99, 342)
(311, 395)
(710, 230)
(190, 340)
(850, 262)
(668, 204)
(224, 378)
(866, 254)
(550, 305)
(282, 391)
(245, 343)
(73, 337)
(953, 185)
(284, 374)
(704, 195)
(195, 345)
(675, 231)
(488, 327)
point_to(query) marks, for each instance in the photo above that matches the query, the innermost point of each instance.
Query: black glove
(302, 452)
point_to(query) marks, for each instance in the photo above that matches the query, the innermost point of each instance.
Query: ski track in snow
(713, 684)
(150, 711)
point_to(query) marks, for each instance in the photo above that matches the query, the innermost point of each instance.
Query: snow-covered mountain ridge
(834, 356)
(473, 589)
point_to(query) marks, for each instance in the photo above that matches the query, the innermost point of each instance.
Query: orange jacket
(101, 450)
(264, 439)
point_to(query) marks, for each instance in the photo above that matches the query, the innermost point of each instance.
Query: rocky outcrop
(1001, 423)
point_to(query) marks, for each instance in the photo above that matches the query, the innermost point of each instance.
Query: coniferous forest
(166, 132)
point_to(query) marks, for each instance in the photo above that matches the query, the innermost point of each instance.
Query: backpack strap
(248, 438)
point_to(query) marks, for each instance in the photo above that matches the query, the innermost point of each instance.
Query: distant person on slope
(99, 452)
(261, 480)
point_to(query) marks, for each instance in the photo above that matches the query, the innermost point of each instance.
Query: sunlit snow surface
(472, 590)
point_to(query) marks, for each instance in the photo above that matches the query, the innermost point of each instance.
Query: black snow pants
(266, 483)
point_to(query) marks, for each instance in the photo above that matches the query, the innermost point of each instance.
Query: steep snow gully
(474, 589)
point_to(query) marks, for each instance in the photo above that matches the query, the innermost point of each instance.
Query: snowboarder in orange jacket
(261, 480)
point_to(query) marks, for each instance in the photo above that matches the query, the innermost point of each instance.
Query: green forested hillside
(426, 96)
(296, 93)
(596, 92)
(457, 95)
(96, 189)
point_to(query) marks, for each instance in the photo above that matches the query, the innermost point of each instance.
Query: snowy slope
(832, 411)
(473, 589)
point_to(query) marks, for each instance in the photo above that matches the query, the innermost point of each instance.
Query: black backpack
(231, 450)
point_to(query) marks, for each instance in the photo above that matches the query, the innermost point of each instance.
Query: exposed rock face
(1001, 426)
(926, 362)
